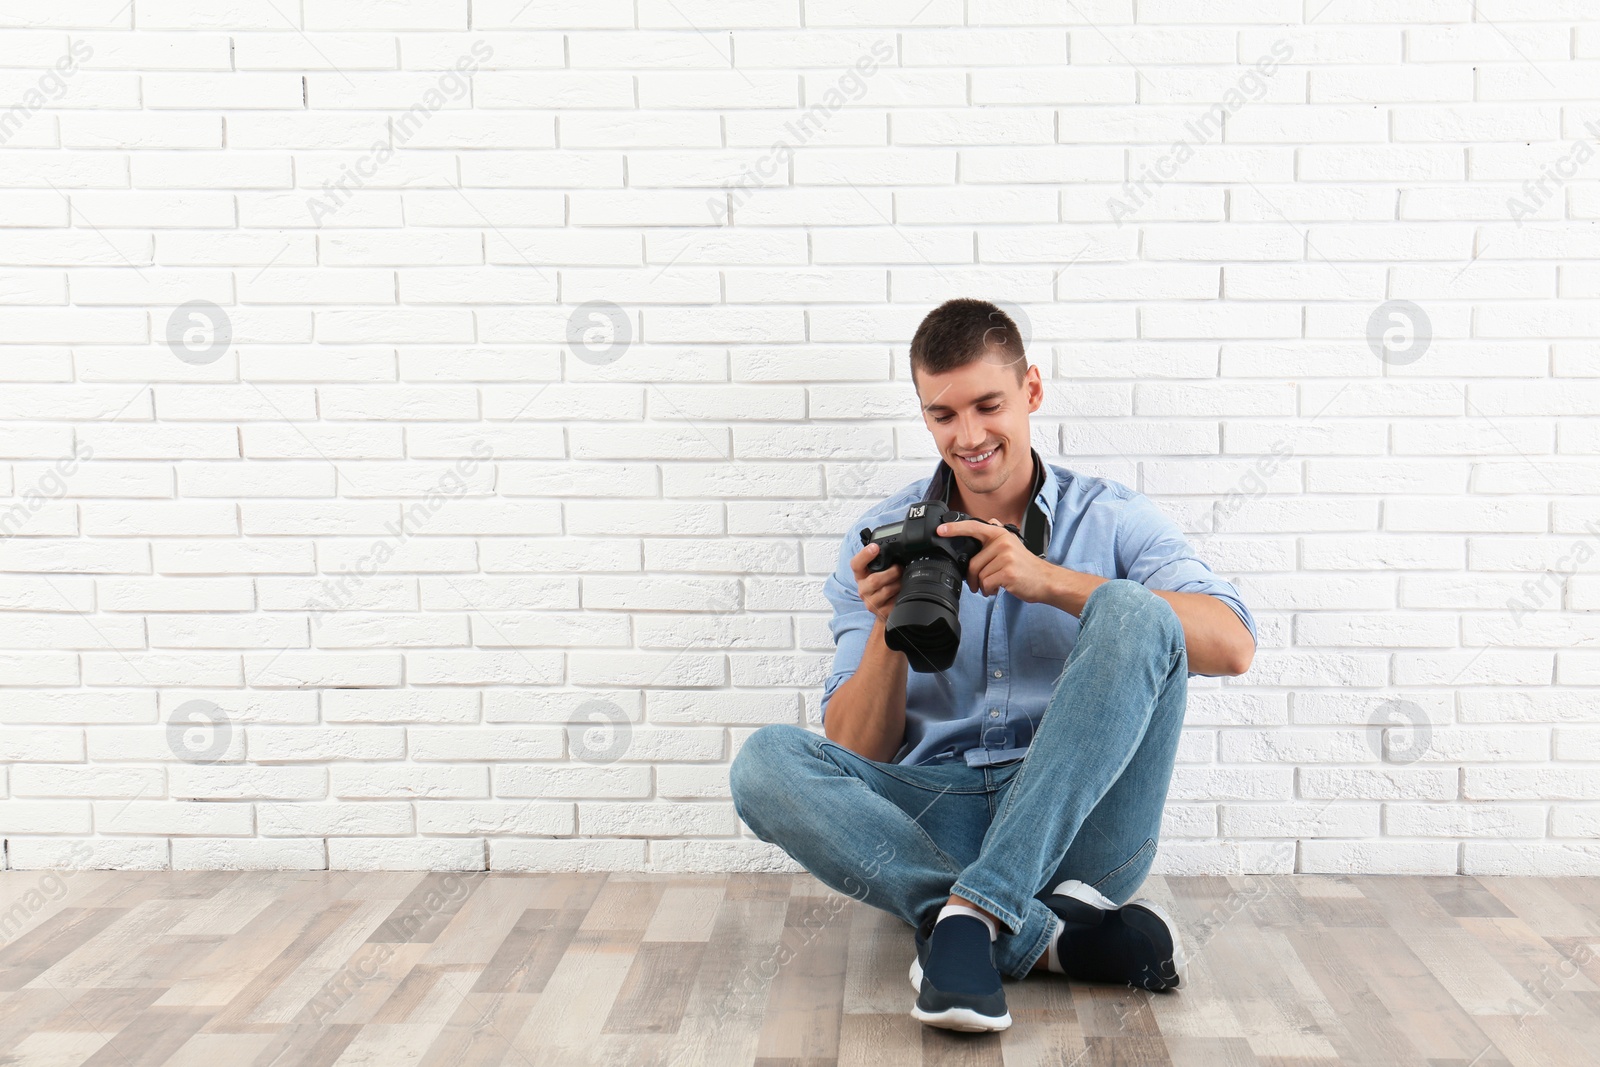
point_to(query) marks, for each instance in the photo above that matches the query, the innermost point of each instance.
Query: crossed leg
(1084, 803)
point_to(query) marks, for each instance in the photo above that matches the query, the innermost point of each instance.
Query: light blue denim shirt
(984, 709)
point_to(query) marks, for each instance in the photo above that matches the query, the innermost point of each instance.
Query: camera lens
(924, 623)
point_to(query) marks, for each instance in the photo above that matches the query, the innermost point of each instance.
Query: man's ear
(1034, 383)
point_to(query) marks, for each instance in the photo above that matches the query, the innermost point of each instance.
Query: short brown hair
(962, 331)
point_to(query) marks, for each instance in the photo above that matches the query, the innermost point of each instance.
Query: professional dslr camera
(924, 623)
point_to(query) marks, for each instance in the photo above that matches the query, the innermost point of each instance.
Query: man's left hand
(1004, 562)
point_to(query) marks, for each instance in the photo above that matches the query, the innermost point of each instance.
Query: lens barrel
(925, 622)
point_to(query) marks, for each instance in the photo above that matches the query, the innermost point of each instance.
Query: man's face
(978, 415)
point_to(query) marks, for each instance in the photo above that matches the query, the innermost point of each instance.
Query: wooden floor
(212, 969)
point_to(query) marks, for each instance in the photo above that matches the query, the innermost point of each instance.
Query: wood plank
(889, 1040)
(878, 957)
(530, 951)
(1270, 1016)
(723, 1017)
(48, 943)
(265, 975)
(1185, 1051)
(685, 913)
(656, 990)
(327, 962)
(151, 1039)
(1546, 910)
(1464, 897)
(806, 995)
(1344, 961)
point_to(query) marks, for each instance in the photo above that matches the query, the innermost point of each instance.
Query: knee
(1125, 606)
(764, 767)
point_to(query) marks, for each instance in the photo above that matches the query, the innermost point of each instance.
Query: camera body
(924, 623)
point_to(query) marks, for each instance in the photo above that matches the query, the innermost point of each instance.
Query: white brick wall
(547, 348)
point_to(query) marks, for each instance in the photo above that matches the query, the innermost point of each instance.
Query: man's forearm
(1215, 640)
(867, 714)
(1070, 590)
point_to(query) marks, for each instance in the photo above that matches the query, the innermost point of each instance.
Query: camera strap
(1035, 531)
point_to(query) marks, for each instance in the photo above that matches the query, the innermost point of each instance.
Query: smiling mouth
(980, 458)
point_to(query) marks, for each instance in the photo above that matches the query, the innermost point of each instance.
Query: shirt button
(994, 713)
(999, 674)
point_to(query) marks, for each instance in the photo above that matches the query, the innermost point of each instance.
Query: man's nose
(969, 432)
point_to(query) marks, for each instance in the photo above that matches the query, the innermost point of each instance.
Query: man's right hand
(878, 589)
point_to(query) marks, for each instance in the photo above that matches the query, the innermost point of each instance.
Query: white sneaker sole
(961, 1019)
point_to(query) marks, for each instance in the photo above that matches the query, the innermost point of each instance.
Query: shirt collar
(1035, 521)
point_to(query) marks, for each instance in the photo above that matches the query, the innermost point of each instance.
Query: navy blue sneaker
(958, 984)
(1136, 944)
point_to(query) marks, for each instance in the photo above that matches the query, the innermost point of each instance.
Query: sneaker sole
(961, 1019)
(1180, 963)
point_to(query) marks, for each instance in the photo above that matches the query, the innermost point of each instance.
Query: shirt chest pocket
(1050, 632)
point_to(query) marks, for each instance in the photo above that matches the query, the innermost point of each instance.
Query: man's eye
(989, 410)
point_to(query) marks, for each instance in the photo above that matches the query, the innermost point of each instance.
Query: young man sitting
(1007, 806)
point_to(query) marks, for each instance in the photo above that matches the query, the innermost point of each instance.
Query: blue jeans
(1085, 802)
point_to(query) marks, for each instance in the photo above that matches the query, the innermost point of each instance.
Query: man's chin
(978, 482)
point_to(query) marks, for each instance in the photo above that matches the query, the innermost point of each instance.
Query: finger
(882, 578)
(986, 555)
(995, 578)
(859, 561)
(994, 571)
(986, 578)
(983, 531)
(974, 575)
(870, 579)
(987, 582)
(879, 579)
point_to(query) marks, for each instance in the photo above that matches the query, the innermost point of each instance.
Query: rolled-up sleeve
(1152, 551)
(851, 623)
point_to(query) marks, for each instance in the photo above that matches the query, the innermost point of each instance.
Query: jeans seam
(1038, 949)
(1149, 843)
(884, 769)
